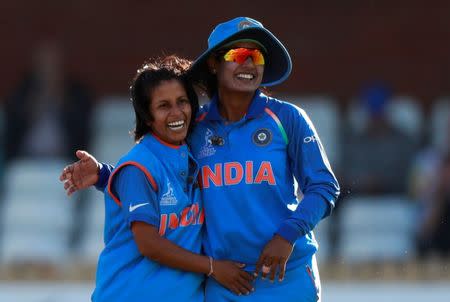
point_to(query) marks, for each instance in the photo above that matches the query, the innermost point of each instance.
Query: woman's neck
(233, 106)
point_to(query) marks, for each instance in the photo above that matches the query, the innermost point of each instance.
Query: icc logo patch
(262, 137)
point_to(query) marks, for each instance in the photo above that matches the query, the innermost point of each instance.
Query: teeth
(246, 76)
(176, 125)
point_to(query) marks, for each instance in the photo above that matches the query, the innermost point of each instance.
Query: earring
(213, 71)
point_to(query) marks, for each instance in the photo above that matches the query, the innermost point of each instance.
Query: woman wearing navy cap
(252, 151)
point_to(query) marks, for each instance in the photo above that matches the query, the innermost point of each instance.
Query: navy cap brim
(278, 63)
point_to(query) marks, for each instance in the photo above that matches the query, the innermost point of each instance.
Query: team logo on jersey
(262, 137)
(168, 198)
(207, 149)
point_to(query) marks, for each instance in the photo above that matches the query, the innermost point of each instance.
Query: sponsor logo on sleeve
(309, 139)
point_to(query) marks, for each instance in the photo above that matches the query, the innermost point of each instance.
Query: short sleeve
(139, 200)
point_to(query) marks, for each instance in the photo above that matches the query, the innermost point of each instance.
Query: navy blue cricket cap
(278, 64)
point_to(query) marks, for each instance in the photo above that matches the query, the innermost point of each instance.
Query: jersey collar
(155, 143)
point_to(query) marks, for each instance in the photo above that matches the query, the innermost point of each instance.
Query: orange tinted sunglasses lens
(240, 55)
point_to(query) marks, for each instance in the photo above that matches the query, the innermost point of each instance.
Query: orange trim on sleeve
(140, 167)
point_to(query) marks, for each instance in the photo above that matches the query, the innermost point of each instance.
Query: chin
(179, 139)
(248, 89)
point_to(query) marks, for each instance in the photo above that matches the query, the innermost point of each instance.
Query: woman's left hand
(273, 258)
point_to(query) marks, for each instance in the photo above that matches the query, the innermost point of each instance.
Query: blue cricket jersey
(247, 177)
(249, 172)
(172, 204)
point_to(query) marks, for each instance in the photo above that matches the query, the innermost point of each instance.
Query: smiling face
(171, 112)
(235, 77)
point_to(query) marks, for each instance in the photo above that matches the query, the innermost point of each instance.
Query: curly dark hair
(147, 78)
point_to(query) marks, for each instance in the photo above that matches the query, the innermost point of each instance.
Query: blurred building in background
(47, 116)
(430, 187)
(374, 76)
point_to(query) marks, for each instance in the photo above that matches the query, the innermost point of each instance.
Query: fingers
(67, 184)
(282, 270)
(81, 154)
(62, 177)
(232, 276)
(246, 276)
(66, 172)
(273, 270)
(270, 267)
(74, 175)
(265, 268)
(241, 287)
(245, 282)
(67, 176)
(235, 290)
(265, 271)
(77, 177)
(258, 266)
(71, 190)
(70, 187)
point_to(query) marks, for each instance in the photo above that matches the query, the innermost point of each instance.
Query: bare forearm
(174, 256)
(165, 252)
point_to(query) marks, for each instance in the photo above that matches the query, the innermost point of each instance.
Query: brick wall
(335, 45)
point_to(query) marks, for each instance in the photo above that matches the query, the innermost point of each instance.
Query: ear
(212, 64)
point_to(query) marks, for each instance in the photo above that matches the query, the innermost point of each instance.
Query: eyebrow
(166, 100)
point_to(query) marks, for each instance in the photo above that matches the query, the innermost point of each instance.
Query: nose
(177, 110)
(248, 61)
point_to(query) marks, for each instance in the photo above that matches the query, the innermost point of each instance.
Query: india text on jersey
(233, 173)
(189, 216)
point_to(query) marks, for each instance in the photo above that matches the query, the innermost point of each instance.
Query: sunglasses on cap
(240, 55)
